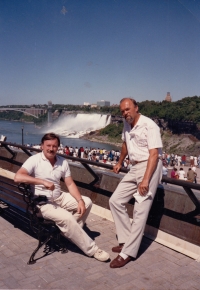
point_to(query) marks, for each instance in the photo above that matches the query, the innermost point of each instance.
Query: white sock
(124, 256)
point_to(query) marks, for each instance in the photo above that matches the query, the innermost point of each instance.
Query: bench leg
(40, 244)
(53, 234)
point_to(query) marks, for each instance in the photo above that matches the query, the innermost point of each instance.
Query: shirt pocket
(140, 137)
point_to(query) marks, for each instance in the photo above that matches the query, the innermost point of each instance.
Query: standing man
(68, 210)
(142, 143)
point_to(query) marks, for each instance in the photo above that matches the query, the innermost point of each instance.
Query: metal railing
(13, 148)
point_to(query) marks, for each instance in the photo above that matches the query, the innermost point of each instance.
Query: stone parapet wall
(172, 212)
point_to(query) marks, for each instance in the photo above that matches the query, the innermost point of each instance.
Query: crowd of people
(92, 154)
(177, 163)
(170, 161)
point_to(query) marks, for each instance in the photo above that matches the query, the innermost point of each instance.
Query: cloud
(64, 10)
(87, 85)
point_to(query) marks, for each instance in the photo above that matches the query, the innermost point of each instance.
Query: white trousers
(63, 211)
(127, 233)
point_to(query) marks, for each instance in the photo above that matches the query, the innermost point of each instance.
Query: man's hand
(49, 185)
(143, 188)
(81, 207)
(117, 167)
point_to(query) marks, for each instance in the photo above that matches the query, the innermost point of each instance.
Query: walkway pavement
(156, 268)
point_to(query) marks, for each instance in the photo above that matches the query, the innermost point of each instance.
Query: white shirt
(164, 170)
(40, 167)
(181, 174)
(145, 135)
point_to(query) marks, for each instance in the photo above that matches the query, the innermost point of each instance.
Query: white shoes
(101, 255)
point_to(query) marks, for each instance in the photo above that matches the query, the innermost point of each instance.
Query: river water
(33, 134)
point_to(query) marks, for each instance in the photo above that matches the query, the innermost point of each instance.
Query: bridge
(35, 112)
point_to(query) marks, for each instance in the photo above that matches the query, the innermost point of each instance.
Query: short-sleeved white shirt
(40, 167)
(145, 135)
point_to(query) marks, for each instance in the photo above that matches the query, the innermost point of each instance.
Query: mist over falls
(76, 125)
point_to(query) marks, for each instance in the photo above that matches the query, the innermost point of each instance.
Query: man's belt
(136, 162)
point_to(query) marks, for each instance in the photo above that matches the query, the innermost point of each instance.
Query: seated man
(68, 210)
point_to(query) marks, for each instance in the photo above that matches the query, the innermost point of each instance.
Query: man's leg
(141, 212)
(68, 225)
(140, 215)
(70, 204)
(122, 195)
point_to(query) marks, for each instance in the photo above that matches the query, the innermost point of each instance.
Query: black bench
(20, 199)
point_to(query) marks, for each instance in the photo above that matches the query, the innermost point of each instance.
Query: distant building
(35, 111)
(168, 97)
(103, 103)
(49, 112)
(93, 105)
(86, 104)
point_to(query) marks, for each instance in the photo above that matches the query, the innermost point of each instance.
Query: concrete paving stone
(193, 270)
(99, 287)
(17, 274)
(3, 236)
(8, 232)
(11, 282)
(7, 252)
(125, 279)
(4, 275)
(28, 286)
(149, 259)
(106, 282)
(139, 284)
(104, 245)
(166, 256)
(3, 286)
(153, 247)
(98, 268)
(165, 286)
(90, 284)
(195, 264)
(18, 242)
(60, 284)
(8, 268)
(40, 284)
(56, 262)
(167, 266)
(53, 270)
(181, 280)
(28, 280)
(169, 251)
(183, 262)
(95, 276)
(156, 265)
(159, 282)
(189, 285)
(33, 272)
(195, 283)
(16, 249)
(170, 277)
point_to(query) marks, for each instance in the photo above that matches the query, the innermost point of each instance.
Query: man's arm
(23, 176)
(123, 154)
(73, 190)
(143, 187)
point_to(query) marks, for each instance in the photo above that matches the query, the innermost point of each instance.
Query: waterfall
(77, 125)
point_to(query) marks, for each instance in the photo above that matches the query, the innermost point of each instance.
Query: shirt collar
(45, 159)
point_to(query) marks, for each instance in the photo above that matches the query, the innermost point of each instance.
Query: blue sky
(75, 51)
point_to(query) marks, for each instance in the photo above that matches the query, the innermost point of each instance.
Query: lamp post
(22, 135)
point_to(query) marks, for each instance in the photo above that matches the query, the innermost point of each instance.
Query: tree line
(186, 109)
